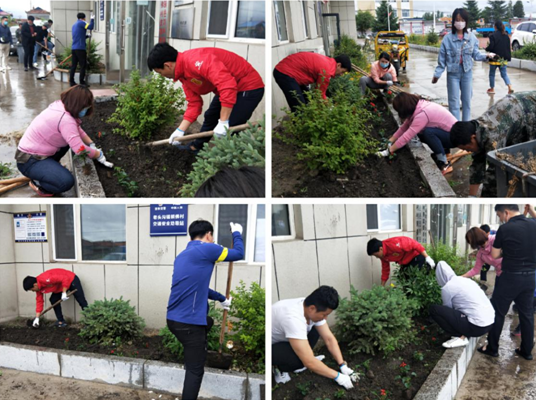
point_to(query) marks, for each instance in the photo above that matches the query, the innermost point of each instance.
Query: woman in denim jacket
(456, 55)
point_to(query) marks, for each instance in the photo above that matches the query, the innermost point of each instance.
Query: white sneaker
(456, 342)
(35, 65)
(281, 377)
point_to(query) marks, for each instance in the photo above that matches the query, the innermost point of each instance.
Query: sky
(19, 7)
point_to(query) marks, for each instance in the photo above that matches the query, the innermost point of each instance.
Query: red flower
(99, 135)
(389, 92)
(66, 339)
(81, 149)
(433, 339)
(112, 352)
(422, 328)
(403, 364)
(373, 105)
(382, 392)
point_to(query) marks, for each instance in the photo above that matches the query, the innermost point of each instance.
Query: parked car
(444, 32)
(13, 47)
(524, 33)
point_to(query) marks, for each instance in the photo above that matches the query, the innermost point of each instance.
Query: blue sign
(169, 219)
(101, 10)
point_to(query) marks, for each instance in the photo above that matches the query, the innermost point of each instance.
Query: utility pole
(433, 27)
(388, 17)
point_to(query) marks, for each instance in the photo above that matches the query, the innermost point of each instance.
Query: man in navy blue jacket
(188, 303)
(79, 53)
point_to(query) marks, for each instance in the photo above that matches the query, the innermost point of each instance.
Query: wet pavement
(508, 377)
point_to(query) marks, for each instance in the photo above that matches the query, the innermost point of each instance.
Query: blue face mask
(83, 112)
(5, 22)
(384, 65)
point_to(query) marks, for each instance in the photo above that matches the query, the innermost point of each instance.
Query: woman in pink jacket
(49, 137)
(427, 120)
(481, 241)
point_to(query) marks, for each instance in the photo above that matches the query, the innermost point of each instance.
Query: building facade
(401, 8)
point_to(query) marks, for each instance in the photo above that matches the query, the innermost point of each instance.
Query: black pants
(484, 272)
(418, 261)
(79, 296)
(284, 358)
(455, 323)
(79, 57)
(246, 103)
(294, 93)
(194, 340)
(518, 287)
(28, 54)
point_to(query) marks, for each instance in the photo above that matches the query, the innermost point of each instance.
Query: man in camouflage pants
(512, 120)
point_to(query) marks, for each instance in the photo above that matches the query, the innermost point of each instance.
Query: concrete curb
(129, 372)
(446, 377)
(429, 172)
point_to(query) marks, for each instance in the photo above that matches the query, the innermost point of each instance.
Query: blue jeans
(438, 140)
(504, 75)
(50, 46)
(49, 173)
(460, 82)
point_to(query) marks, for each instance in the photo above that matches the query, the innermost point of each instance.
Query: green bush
(248, 308)
(332, 134)
(244, 148)
(94, 58)
(346, 85)
(417, 39)
(527, 52)
(419, 285)
(171, 343)
(378, 319)
(432, 38)
(144, 106)
(348, 46)
(443, 252)
(106, 321)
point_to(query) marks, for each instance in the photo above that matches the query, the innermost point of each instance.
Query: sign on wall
(31, 227)
(182, 26)
(101, 10)
(169, 219)
(163, 22)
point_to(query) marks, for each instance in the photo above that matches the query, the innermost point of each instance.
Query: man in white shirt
(297, 324)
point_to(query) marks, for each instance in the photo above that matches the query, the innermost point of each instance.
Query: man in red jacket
(56, 281)
(295, 72)
(399, 249)
(238, 88)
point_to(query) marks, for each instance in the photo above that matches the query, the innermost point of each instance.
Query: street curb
(129, 372)
(429, 172)
(446, 377)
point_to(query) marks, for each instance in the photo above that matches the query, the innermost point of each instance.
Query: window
(305, 26)
(253, 221)
(282, 222)
(281, 21)
(115, 15)
(405, 13)
(250, 20)
(218, 17)
(383, 217)
(103, 232)
(236, 19)
(63, 232)
(318, 17)
(97, 15)
(532, 27)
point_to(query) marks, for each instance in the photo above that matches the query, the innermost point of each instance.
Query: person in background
(5, 44)
(29, 34)
(18, 34)
(456, 54)
(382, 75)
(79, 52)
(485, 268)
(479, 240)
(402, 250)
(294, 73)
(42, 40)
(466, 311)
(297, 324)
(427, 120)
(499, 48)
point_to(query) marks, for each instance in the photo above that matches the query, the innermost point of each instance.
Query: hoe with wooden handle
(30, 321)
(194, 136)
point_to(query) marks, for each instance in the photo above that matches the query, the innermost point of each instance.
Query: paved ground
(508, 377)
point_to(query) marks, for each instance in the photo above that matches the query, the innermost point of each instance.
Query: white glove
(236, 228)
(64, 297)
(345, 370)
(491, 55)
(344, 381)
(2, 39)
(178, 133)
(389, 83)
(227, 303)
(430, 262)
(93, 146)
(36, 323)
(92, 16)
(384, 153)
(221, 129)
(103, 161)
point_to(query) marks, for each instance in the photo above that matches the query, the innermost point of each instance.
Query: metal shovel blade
(219, 360)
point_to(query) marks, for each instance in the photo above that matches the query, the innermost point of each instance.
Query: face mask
(83, 112)
(459, 25)
(5, 22)
(384, 65)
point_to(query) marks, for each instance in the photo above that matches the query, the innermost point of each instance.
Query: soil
(380, 374)
(159, 171)
(372, 178)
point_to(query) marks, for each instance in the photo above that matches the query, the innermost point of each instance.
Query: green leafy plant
(235, 151)
(131, 186)
(432, 38)
(346, 85)
(420, 285)
(527, 52)
(146, 105)
(340, 394)
(5, 169)
(449, 254)
(303, 388)
(383, 395)
(418, 356)
(405, 375)
(94, 58)
(376, 320)
(107, 320)
(348, 46)
(171, 343)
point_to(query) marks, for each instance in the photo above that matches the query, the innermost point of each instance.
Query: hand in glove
(430, 262)
(345, 370)
(93, 146)
(2, 39)
(178, 133)
(384, 153)
(227, 303)
(344, 381)
(64, 297)
(221, 129)
(491, 56)
(236, 228)
(103, 161)
(389, 83)
(36, 323)
(92, 16)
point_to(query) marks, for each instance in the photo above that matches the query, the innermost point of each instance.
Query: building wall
(144, 279)
(371, 5)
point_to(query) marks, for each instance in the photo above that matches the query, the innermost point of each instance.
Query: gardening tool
(29, 322)
(194, 136)
(458, 156)
(42, 78)
(14, 183)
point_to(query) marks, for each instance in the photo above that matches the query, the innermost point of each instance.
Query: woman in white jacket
(466, 311)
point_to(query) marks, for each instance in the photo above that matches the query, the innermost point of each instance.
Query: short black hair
(50, 21)
(504, 207)
(345, 61)
(384, 55)
(31, 18)
(29, 282)
(80, 15)
(373, 246)
(199, 229)
(461, 132)
(229, 182)
(323, 298)
(465, 15)
(160, 54)
(4, 17)
(485, 228)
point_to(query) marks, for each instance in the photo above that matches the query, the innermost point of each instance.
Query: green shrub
(108, 320)
(130, 185)
(417, 39)
(527, 52)
(420, 285)
(346, 85)
(171, 343)
(348, 46)
(145, 105)
(432, 38)
(443, 252)
(332, 134)
(248, 308)
(378, 319)
(244, 148)
(94, 58)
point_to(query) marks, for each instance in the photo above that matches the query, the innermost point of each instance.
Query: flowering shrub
(405, 375)
(419, 284)
(449, 254)
(347, 86)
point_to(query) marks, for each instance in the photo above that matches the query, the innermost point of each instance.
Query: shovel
(194, 136)
(29, 322)
(42, 78)
(9, 184)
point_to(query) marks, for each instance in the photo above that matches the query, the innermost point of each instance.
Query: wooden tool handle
(5, 189)
(227, 293)
(14, 180)
(56, 303)
(194, 136)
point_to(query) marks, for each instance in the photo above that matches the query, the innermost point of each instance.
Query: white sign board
(31, 227)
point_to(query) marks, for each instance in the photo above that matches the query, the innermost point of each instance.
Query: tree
(364, 21)
(439, 14)
(519, 10)
(380, 24)
(496, 11)
(428, 16)
(510, 10)
(474, 12)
